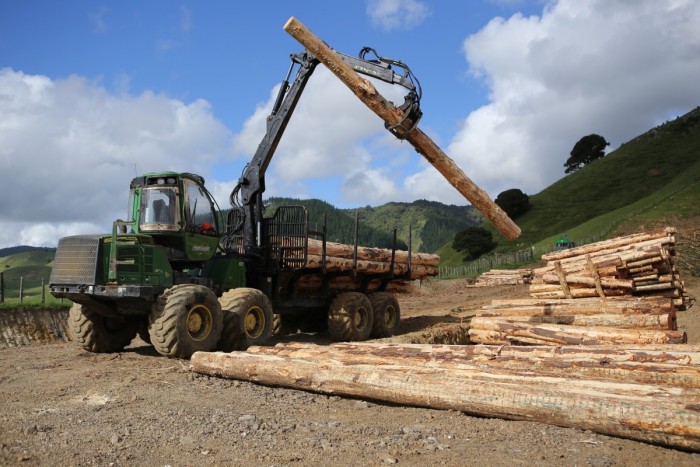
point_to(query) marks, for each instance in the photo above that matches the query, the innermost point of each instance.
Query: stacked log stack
(621, 291)
(340, 257)
(504, 277)
(635, 265)
(647, 393)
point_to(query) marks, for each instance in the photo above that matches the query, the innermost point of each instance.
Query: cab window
(160, 209)
(200, 215)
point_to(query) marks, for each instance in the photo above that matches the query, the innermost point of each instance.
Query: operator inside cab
(160, 208)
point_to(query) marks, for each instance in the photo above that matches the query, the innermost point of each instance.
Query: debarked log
(342, 250)
(666, 321)
(371, 267)
(671, 367)
(650, 413)
(394, 117)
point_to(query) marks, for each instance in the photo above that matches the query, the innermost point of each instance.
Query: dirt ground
(60, 405)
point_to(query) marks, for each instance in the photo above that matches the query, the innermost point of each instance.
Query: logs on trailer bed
(393, 117)
(492, 386)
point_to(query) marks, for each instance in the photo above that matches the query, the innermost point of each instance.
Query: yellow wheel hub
(254, 322)
(199, 322)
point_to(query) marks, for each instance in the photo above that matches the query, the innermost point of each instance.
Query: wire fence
(17, 290)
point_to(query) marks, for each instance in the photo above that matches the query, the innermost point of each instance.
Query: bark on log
(516, 332)
(373, 267)
(666, 321)
(673, 367)
(583, 306)
(649, 413)
(663, 236)
(367, 93)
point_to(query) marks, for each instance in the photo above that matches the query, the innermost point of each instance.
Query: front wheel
(185, 319)
(248, 319)
(98, 333)
(350, 317)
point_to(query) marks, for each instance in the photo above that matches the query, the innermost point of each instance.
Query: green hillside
(650, 181)
(664, 157)
(432, 223)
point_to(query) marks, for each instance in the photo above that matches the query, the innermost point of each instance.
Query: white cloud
(397, 14)
(68, 149)
(612, 68)
(326, 137)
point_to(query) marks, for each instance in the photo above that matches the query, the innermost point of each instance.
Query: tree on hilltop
(585, 151)
(514, 202)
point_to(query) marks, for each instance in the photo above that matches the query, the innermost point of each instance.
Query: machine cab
(178, 212)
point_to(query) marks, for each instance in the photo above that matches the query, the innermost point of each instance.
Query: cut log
(334, 264)
(518, 332)
(393, 116)
(651, 413)
(671, 367)
(638, 321)
(342, 250)
(583, 306)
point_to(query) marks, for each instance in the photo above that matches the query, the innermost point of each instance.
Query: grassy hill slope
(649, 181)
(635, 171)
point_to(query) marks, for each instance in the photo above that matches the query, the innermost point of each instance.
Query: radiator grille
(76, 260)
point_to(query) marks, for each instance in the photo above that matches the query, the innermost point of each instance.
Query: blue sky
(92, 93)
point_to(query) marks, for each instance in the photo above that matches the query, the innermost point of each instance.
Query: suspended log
(519, 332)
(393, 116)
(651, 413)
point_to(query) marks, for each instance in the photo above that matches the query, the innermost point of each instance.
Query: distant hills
(431, 224)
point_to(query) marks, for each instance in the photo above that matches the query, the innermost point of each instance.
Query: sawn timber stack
(646, 393)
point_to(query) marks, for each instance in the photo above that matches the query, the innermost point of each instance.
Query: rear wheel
(350, 317)
(248, 319)
(387, 314)
(185, 319)
(99, 333)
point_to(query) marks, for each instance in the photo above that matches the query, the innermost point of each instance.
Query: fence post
(2, 287)
(43, 291)
(21, 288)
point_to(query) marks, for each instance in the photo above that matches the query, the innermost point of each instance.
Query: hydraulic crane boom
(246, 197)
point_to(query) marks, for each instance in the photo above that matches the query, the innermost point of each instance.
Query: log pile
(339, 258)
(635, 265)
(646, 393)
(504, 277)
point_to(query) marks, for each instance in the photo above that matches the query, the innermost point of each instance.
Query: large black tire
(98, 333)
(185, 319)
(248, 318)
(350, 317)
(387, 314)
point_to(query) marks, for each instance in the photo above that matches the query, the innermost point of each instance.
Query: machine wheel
(185, 319)
(98, 333)
(282, 326)
(350, 317)
(387, 314)
(248, 319)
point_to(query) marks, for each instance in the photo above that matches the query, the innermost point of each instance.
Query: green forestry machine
(185, 279)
